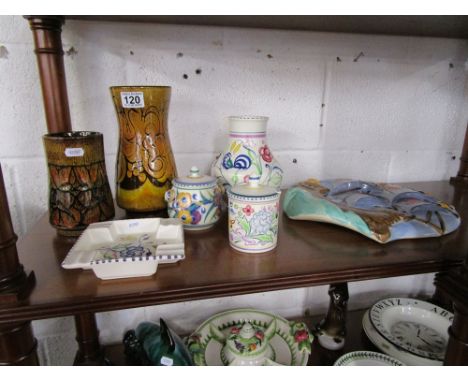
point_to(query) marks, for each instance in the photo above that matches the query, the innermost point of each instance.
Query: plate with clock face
(414, 325)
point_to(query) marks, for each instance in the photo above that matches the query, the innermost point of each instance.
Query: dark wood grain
(48, 43)
(17, 343)
(308, 254)
(454, 26)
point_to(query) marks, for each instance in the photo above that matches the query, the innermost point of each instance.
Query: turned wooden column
(17, 343)
(455, 285)
(47, 32)
(462, 175)
(90, 352)
(452, 286)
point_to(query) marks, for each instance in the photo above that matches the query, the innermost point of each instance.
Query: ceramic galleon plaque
(383, 212)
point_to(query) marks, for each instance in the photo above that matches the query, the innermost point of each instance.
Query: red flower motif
(301, 335)
(235, 330)
(266, 154)
(248, 210)
(260, 335)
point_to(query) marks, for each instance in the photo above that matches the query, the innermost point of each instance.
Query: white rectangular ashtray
(127, 248)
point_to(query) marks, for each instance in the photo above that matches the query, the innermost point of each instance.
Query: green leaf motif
(245, 225)
(255, 160)
(305, 345)
(267, 238)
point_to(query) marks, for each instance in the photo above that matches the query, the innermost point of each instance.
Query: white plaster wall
(379, 108)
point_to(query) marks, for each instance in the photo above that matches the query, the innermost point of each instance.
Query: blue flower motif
(227, 162)
(242, 162)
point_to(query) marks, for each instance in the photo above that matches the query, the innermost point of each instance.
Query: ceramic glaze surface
(392, 350)
(383, 212)
(156, 345)
(367, 358)
(79, 191)
(247, 153)
(250, 337)
(145, 163)
(253, 218)
(416, 326)
(246, 344)
(195, 200)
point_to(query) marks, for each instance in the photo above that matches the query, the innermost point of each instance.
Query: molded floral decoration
(250, 337)
(247, 344)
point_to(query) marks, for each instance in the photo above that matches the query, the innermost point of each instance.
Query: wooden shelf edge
(454, 26)
(34, 312)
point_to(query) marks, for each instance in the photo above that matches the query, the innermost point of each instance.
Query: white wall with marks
(379, 108)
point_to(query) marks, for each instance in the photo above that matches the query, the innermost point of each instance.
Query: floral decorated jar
(247, 153)
(195, 199)
(253, 216)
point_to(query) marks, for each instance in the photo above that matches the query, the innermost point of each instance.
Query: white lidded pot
(253, 216)
(195, 199)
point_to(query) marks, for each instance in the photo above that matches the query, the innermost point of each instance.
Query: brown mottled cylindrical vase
(145, 162)
(79, 191)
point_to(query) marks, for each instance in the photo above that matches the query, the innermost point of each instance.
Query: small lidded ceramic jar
(195, 199)
(253, 216)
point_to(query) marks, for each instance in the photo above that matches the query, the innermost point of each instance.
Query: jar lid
(194, 179)
(253, 188)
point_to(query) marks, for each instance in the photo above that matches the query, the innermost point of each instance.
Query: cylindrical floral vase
(253, 216)
(247, 154)
(79, 191)
(145, 163)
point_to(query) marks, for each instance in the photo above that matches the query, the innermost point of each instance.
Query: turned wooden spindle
(453, 286)
(48, 43)
(47, 34)
(462, 175)
(17, 343)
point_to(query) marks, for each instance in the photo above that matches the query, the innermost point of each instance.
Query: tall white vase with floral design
(247, 154)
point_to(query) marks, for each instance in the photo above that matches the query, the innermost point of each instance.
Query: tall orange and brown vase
(145, 162)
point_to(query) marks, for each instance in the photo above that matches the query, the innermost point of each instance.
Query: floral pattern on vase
(253, 220)
(253, 226)
(247, 154)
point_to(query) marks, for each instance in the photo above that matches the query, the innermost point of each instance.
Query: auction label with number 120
(131, 100)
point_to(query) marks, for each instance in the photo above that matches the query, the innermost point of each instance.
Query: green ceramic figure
(157, 345)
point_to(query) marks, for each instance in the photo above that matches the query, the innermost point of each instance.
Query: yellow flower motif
(184, 199)
(185, 216)
(170, 196)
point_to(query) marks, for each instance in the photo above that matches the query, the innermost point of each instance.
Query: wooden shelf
(427, 26)
(308, 254)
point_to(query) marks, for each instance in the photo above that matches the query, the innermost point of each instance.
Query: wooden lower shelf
(356, 340)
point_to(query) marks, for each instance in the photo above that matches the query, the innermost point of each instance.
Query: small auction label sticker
(131, 100)
(74, 152)
(166, 361)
